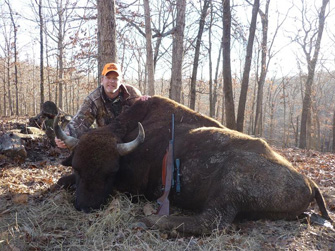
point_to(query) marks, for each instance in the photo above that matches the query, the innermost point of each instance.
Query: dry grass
(32, 217)
(51, 223)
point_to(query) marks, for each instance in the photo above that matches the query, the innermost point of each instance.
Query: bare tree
(60, 41)
(41, 24)
(333, 132)
(3, 78)
(107, 49)
(293, 106)
(150, 59)
(7, 57)
(307, 44)
(177, 52)
(15, 29)
(161, 25)
(197, 52)
(247, 65)
(213, 87)
(48, 66)
(273, 96)
(264, 68)
(5, 47)
(210, 65)
(59, 12)
(227, 80)
(266, 56)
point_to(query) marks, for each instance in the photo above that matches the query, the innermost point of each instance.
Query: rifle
(178, 176)
(163, 201)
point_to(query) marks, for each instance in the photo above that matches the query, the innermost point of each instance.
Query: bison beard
(224, 174)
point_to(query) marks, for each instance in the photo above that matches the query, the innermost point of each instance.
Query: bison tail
(321, 204)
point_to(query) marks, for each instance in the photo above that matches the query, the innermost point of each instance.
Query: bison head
(95, 161)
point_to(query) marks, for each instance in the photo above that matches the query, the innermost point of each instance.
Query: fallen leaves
(148, 209)
(320, 167)
(113, 206)
(20, 198)
(29, 178)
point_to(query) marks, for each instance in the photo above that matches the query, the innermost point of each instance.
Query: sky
(283, 63)
(291, 52)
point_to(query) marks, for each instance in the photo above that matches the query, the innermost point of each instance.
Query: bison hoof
(67, 182)
(54, 188)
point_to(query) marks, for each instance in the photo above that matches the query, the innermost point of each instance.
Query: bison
(225, 174)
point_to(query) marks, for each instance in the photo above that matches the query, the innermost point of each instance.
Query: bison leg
(187, 225)
(199, 224)
(67, 182)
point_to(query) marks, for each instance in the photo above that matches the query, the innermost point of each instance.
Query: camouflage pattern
(99, 108)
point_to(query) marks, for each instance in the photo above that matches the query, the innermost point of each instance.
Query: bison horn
(125, 148)
(69, 141)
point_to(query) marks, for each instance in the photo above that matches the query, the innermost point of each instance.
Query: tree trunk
(306, 106)
(247, 65)
(156, 52)
(213, 88)
(305, 111)
(251, 120)
(15, 28)
(317, 130)
(60, 41)
(107, 49)
(33, 82)
(66, 91)
(271, 121)
(261, 81)
(217, 86)
(41, 54)
(227, 80)
(48, 68)
(178, 52)
(223, 121)
(196, 54)
(4, 89)
(297, 133)
(210, 67)
(9, 85)
(150, 59)
(334, 132)
(284, 111)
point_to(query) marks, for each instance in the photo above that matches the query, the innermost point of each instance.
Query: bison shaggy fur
(225, 174)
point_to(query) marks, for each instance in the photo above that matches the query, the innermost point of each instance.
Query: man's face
(111, 82)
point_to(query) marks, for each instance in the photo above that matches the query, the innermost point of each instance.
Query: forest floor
(33, 216)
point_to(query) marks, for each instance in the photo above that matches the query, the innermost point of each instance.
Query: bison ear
(67, 161)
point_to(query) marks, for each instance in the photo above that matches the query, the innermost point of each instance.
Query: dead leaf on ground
(20, 198)
(148, 209)
(114, 206)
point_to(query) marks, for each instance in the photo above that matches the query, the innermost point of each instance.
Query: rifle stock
(164, 202)
(164, 208)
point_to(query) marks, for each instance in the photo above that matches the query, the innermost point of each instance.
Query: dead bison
(224, 174)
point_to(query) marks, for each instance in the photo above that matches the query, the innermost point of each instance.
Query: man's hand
(60, 143)
(145, 97)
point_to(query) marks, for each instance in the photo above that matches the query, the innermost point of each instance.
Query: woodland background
(262, 67)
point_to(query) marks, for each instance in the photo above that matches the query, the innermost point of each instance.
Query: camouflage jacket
(100, 108)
